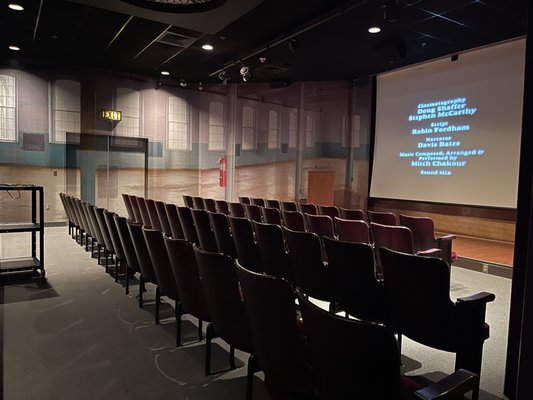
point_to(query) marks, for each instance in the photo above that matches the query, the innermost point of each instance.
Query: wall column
(300, 143)
(230, 141)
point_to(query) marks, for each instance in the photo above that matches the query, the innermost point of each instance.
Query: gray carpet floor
(76, 335)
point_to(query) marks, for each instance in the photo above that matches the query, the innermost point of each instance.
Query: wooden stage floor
(484, 251)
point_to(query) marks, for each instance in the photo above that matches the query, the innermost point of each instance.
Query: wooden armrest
(430, 252)
(481, 297)
(458, 383)
(446, 237)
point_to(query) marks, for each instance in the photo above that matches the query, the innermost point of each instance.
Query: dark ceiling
(300, 40)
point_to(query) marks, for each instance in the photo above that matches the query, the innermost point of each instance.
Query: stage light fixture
(183, 83)
(246, 73)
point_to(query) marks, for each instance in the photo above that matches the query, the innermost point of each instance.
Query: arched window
(66, 109)
(248, 128)
(273, 130)
(128, 101)
(8, 122)
(216, 126)
(178, 123)
(293, 129)
(309, 130)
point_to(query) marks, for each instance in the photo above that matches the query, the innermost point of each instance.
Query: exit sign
(111, 115)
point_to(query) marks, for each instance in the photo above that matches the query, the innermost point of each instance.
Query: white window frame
(293, 129)
(66, 109)
(178, 132)
(8, 108)
(130, 125)
(248, 128)
(217, 126)
(273, 129)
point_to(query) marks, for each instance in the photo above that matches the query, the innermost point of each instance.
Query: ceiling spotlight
(207, 47)
(166, 73)
(200, 87)
(14, 48)
(374, 29)
(16, 7)
(262, 60)
(183, 83)
(246, 73)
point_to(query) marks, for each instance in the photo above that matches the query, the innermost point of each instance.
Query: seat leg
(106, 256)
(209, 334)
(253, 367)
(232, 357)
(200, 333)
(157, 303)
(127, 280)
(141, 290)
(117, 265)
(178, 312)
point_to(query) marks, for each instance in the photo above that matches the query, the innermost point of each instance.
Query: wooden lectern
(320, 187)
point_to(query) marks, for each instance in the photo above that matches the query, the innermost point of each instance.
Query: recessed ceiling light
(14, 48)
(207, 47)
(16, 7)
(374, 29)
(165, 73)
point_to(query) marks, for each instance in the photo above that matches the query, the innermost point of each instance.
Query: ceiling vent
(175, 39)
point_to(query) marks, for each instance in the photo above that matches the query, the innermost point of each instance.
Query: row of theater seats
(250, 303)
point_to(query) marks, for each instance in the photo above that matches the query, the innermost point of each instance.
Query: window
(128, 101)
(178, 123)
(273, 130)
(8, 130)
(293, 129)
(309, 136)
(248, 128)
(66, 111)
(216, 126)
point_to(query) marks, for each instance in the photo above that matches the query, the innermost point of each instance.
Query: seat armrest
(446, 237)
(430, 252)
(451, 387)
(481, 297)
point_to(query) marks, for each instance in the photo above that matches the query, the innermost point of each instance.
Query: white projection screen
(449, 131)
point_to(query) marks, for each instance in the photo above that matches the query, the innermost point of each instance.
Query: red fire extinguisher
(223, 171)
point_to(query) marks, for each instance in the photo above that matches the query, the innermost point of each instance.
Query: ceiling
(281, 41)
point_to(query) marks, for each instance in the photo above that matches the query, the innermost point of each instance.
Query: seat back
(187, 278)
(257, 201)
(222, 206)
(397, 238)
(187, 224)
(252, 212)
(155, 222)
(198, 203)
(206, 238)
(244, 200)
(308, 208)
(160, 262)
(223, 238)
(383, 218)
(187, 201)
(92, 216)
(271, 245)
(210, 205)
(351, 359)
(422, 229)
(322, 225)
(288, 206)
(418, 298)
(350, 230)
(127, 204)
(331, 211)
(99, 212)
(293, 220)
(145, 216)
(310, 273)
(352, 213)
(236, 210)
(221, 288)
(109, 218)
(271, 215)
(243, 237)
(356, 288)
(174, 221)
(163, 217)
(278, 342)
(141, 252)
(136, 209)
(127, 244)
(272, 203)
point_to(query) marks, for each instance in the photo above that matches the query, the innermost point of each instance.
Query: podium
(320, 187)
